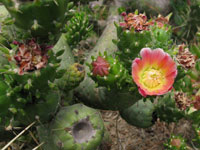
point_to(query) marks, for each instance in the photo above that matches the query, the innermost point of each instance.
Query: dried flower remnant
(100, 67)
(159, 21)
(140, 22)
(155, 73)
(196, 103)
(30, 56)
(182, 101)
(185, 57)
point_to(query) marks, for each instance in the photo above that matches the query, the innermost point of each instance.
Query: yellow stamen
(152, 78)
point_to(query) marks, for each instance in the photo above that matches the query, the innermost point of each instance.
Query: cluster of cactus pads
(135, 68)
(35, 71)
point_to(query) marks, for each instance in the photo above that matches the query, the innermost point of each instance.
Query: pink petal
(158, 55)
(136, 60)
(142, 92)
(146, 54)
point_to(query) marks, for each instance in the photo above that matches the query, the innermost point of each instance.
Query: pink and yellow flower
(154, 73)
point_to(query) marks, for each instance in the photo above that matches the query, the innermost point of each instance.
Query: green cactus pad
(75, 127)
(140, 114)
(31, 16)
(167, 110)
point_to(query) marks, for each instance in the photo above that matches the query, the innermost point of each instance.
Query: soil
(127, 137)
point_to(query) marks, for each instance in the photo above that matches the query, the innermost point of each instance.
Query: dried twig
(7, 145)
(38, 146)
(117, 133)
(33, 137)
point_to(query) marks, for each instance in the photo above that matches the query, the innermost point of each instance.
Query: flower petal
(142, 92)
(155, 73)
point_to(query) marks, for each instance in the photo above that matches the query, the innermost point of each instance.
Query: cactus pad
(75, 127)
(140, 114)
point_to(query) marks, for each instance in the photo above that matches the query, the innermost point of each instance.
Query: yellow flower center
(152, 78)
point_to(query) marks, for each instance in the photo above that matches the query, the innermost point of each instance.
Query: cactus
(74, 74)
(197, 139)
(167, 110)
(75, 127)
(186, 19)
(30, 88)
(101, 97)
(140, 114)
(31, 16)
(136, 32)
(77, 29)
(176, 143)
(109, 72)
(3, 16)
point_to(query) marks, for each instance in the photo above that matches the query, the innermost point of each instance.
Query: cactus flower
(154, 73)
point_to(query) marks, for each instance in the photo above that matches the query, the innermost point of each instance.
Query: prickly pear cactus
(28, 82)
(75, 127)
(33, 17)
(22, 85)
(108, 71)
(74, 75)
(77, 29)
(102, 97)
(141, 114)
(167, 110)
(176, 143)
(137, 32)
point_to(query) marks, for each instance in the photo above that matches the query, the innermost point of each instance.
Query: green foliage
(186, 18)
(140, 114)
(194, 115)
(34, 17)
(183, 81)
(167, 110)
(197, 138)
(77, 28)
(74, 127)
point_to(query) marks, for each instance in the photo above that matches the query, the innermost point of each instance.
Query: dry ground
(127, 137)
